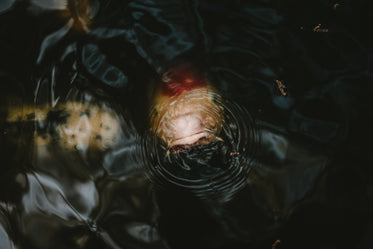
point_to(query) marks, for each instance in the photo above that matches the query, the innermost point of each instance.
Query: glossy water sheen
(81, 168)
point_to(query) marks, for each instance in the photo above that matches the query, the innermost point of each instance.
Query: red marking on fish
(180, 79)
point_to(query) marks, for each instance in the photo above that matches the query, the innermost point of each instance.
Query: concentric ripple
(212, 171)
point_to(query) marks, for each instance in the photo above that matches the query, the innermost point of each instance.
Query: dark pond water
(80, 167)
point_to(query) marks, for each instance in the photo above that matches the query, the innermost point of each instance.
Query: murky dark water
(80, 167)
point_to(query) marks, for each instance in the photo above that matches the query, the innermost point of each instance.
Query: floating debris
(318, 29)
(276, 243)
(281, 87)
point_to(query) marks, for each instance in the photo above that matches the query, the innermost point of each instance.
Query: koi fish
(186, 110)
(72, 125)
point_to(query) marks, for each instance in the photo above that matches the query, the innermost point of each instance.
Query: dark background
(117, 49)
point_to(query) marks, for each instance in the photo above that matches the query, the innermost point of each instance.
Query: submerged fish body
(72, 125)
(186, 110)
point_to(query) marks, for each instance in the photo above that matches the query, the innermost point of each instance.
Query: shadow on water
(81, 167)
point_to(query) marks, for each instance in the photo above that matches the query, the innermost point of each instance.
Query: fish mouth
(189, 129)
(183, 143)
(197, 138)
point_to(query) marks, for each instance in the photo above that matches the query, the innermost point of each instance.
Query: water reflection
(95, 63)
(6, 232)
(51, 5)
(6, 5)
